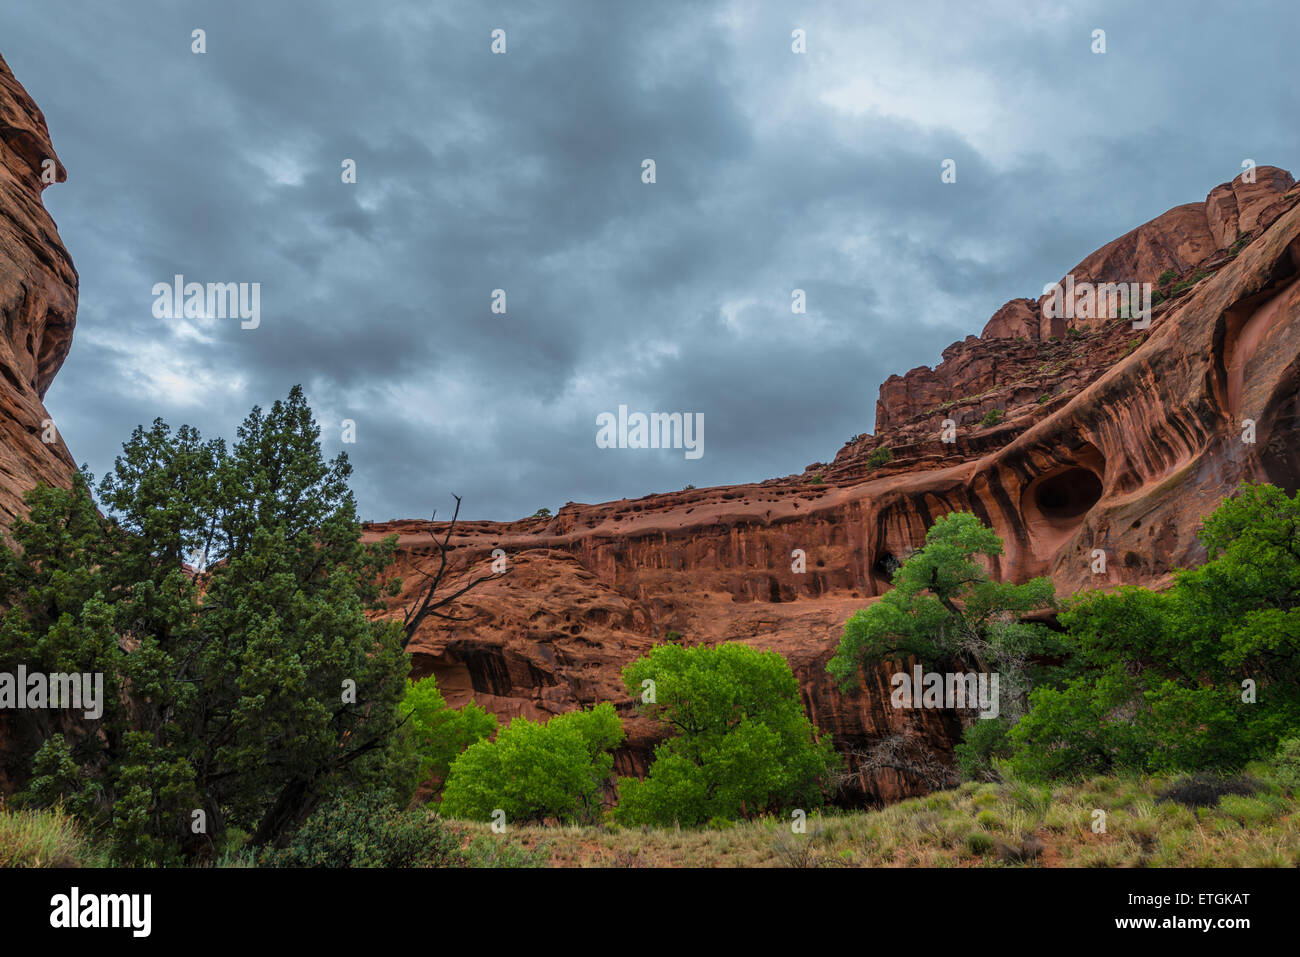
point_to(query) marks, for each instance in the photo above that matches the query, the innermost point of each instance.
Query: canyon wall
(1104, 436)
(38, 301)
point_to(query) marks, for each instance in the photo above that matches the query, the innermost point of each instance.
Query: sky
(524, 171)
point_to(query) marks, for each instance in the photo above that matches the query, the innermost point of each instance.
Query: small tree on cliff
(237, 693)
(741, 746)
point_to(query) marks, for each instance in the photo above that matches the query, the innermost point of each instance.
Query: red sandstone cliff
(38, 300)
(1112, 438)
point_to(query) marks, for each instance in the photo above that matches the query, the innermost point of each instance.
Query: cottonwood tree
(944, 608)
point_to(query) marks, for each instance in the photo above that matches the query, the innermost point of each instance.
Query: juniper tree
(241, 689)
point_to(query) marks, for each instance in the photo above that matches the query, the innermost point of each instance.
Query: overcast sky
(522, 171)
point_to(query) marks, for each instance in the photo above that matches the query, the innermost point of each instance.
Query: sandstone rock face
(38, 301)
(1109, 438)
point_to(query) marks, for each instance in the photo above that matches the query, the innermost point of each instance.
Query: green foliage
(992, 417)
(437, 733)
(1163, 675)
(1078, 730)
(1286, 763)
(944, 608)
(743, 745)
(537, 771)
(225, 691)
(880, 457)
(817, 479)
(984, 742)
(368, 830)
(1189, 282)
(542, 513)
(1166, 277)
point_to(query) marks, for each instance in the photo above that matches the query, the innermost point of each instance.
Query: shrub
(817, 479)
(536, 771)
(978, 843)
(880, 457)
(368, 830)
(744, 746)
(1072, 731)
(982, 743)
(43, 838)
(1286, 763)
(1166, 277)
(992, 417)
(542, 513)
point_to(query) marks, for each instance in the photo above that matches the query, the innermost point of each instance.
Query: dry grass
(48, 838)
(976, 825)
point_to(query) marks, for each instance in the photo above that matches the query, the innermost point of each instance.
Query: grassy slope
(977, 825)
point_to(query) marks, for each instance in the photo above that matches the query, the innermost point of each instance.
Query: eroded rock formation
(1110, 438)
(38, 301)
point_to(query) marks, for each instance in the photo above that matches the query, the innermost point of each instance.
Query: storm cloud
(522, 171)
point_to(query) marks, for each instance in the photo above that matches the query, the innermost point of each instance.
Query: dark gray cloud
(522, 171)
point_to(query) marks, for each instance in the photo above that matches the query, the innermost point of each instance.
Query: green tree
(742, 744)
(1203, 676)
(536, 771)
(438, 733)
(944, 608)
(247, 687)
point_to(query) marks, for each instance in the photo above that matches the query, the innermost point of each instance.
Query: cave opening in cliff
(886, 564)
(1068, 494)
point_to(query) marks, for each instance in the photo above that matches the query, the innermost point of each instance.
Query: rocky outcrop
(1066, 439)
(38, 301)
